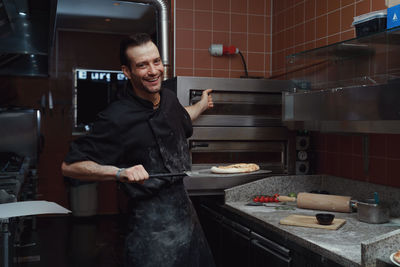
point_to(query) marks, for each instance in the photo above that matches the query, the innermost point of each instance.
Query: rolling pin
(324, 202)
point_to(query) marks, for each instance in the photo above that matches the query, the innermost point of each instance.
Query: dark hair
(136, 39)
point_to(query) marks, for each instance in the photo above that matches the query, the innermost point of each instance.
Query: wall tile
(203, 4)
(309, 30)
(256, 24)
(346, 166)
(238, 23)
(185, 4)
(377, 171)
(321, 7)
(393, 146)
(333, 22)
(183, 72)
(362, 7)
(299, 34)
(202, 59)
(332, 142)
(321, 27)
(346, 2)
(289, 18)
(346, 144)
(309, 9)
(184, 19)
(257, 6)
(202, 20)
(202, 39)
(239, 6)
(239, 40)
(255, 62)
(333, 39)
(220, 62)
(377, 145)
(184, 58)
(184, 38)
(299, 14)
(221, 21)
(256, 42)
(358, 169)
(393, 173)
(220, 73)
(202, 73)
(221, 38)
(333, 5)
(378, 5)
(222, 5)
(347, 18)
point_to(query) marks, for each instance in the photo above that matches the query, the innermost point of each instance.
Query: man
(145, 132)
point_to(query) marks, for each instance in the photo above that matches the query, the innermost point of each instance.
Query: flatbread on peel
(236, 168)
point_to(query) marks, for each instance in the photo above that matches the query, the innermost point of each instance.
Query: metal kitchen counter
(354, 244)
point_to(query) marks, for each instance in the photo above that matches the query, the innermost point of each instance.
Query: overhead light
(22, 13)
(32, 55)
(108, 20)
(25, 24)
(27, 35)
(117, 4)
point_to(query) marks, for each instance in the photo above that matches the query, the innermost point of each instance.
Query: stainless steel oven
(245, 125)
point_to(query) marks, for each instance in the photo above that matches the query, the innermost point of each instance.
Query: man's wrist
(118, 175)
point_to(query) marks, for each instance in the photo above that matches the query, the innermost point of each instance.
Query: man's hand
(135, 174)
(206, 101)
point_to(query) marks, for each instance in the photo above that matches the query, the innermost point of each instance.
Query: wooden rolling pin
(324, 202)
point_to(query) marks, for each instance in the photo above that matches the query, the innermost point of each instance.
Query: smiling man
(144, 132)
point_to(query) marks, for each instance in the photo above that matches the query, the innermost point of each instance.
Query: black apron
(164, 229)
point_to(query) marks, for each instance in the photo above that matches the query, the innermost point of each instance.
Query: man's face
(147, 70)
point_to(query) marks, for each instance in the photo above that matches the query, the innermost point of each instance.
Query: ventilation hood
(27, 32)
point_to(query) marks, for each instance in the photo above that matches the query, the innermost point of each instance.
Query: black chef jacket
(131, 132)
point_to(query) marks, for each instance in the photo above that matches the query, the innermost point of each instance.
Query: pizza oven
(245, 125)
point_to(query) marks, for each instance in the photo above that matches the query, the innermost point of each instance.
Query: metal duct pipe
(161, 7)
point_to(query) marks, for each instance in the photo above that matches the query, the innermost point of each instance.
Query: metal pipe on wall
(161, 7)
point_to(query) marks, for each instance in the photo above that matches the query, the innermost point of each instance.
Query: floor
(71, 242)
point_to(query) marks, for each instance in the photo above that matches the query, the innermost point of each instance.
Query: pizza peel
(206, 173)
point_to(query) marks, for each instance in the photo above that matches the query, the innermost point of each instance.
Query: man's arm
(205, 103)
(92, 171)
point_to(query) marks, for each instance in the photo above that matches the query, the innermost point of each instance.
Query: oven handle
(194, 144)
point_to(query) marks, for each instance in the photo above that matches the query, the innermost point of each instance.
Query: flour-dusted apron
(165, 232)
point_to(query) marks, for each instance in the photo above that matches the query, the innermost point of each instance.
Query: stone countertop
(354, 244)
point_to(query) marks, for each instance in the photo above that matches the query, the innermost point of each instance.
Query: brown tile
(267, 43)
(309, 30)
(346, 166)
(362, 7)
(332, 142)
(347, 35)
(184, 58)
(239, 40)
(255, 62)
(221, 5)
(183, 72)
(278, 6)
(318, 141)
(221, 21)
(268, 25)
(347, 18)
(268, 59)
(268, 8)
(346, 144)
(288, 38)
(299, 14)
(221, 38)
(203, 5)
(256, 24)
(299, 33)
(235, 74)
(238, 23)
(357, 145)
(220, 73)
(257, 7)
(258, 74)
(278, 61)
(333, 5)
(278, 41)
(346, 2)
(377, 171)
(332, 164)
(185, 4)
(309, 9)
(377, 145)
(202, 73)
(256, 43)
(289, 18)
(298, 48)
(333, 39)
(184, 19)
(334, 23)
(378, 5)
(393, 146)
(202, 20)
(239, 6)
(320, 162)
(221, 62)
(202, 60)
(321, 27)
(393, 173)
(358, 169)
(321, 7)
(202, 39)
(184, 38)
(310, 45)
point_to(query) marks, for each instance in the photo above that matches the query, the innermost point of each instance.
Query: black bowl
(325, 218)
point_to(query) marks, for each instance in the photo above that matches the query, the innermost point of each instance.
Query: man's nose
(152, 69)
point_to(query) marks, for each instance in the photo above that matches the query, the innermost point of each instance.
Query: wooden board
(311, 221)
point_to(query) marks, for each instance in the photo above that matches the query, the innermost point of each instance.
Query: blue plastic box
(393, 16)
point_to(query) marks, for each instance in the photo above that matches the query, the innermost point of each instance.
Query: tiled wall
(343, 155)
(245, 24)
(300, 25)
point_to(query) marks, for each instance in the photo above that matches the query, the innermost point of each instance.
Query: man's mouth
(152, 80)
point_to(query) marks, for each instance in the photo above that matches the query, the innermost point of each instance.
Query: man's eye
(140, 65)
(157, 61)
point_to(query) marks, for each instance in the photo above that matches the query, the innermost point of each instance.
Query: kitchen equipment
(310, 221)
(207, 173)
(324, 202)
(370, 212)
(325, 218)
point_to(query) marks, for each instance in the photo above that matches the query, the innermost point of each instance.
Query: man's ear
(126, 71)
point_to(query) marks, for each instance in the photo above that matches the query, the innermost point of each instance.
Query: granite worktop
(354, 244)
